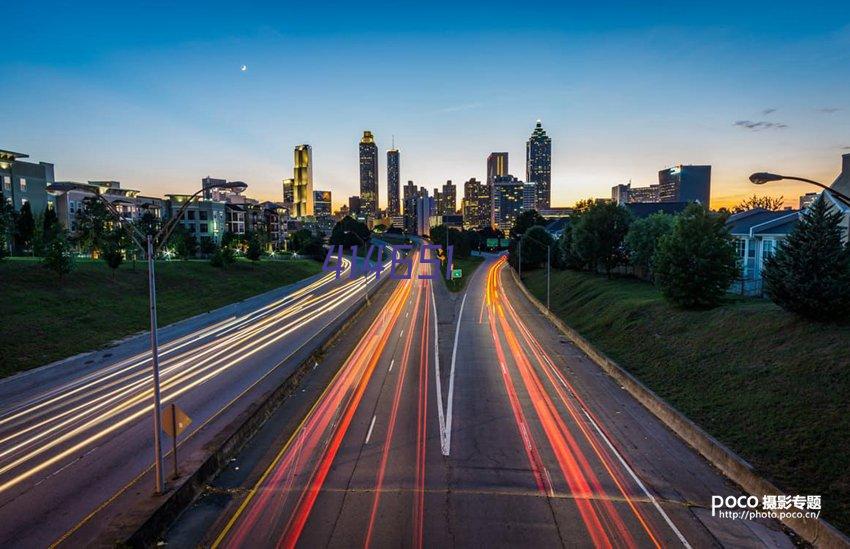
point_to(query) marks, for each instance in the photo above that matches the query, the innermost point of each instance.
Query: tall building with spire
(302, 182)
(393, 183)
(538, 165)
(368, 175)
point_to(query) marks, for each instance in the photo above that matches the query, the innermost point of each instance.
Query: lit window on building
(23, 185)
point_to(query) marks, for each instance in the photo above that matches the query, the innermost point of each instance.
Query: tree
(810, 272)
(184, 243)
(207, 246)
(526, 220)
(315, 248)
(57, 256)
(24, 227)
(93, 222)
(6, 226)
(50, 225)
(767, 202)
(583, 205)
(112, 251)
(345, 230)
(570, 259)
(597, 236)
(255, 249)
(534, 242)
(643, 237)
(696, 262)
(299, 240)
(459, 240)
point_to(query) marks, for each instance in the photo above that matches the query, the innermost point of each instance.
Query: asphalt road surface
(75, 435)
(465, 420)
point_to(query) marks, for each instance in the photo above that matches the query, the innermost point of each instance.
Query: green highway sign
(506, 242)
(457, 273)
(492, 242)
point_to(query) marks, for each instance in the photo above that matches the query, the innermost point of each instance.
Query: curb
(817, 532)
(246, 426)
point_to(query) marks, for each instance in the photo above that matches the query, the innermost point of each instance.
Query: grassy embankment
(43, 320)
(468, 267)
(773, 387)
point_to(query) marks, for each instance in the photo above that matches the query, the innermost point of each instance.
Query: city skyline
(135, 105)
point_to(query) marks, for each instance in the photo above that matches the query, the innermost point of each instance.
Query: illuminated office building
(538, 165)
(393, 183)
(685, 184)
(302, 184)
(368, 175)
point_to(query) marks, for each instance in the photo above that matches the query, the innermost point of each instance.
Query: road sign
(457, 273)
(174, 420)
(506, 242)
(492, 242)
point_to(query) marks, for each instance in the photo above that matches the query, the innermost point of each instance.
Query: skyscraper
(538, 165)
(302, 184)
(476, 204)
(368, 175)
(393, 183)
(497, 166)
(685, 184)
(507, 201)
(411, 194)
(288, 198)
(448, 206)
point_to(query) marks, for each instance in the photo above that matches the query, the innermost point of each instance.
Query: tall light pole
(150, 249)
(761, 178)
(548, 262)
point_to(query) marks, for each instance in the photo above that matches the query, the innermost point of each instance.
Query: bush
(810, 273)
(57, 255)
(697, 261)
(223, 257)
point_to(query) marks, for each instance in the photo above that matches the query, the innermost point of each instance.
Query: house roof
(842, 182)
(759, 221)
(645, 209)
(557, 226)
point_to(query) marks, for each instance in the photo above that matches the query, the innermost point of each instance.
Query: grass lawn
(771, 386)
(43, 320)
(468, 267)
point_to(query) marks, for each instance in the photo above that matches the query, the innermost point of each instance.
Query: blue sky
(154, 96)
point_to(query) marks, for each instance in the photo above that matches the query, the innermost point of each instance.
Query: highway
(73, 436)
(497, 432)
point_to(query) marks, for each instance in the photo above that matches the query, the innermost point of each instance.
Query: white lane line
(401, 333)
(371, 426)
(447, 434)
(638, 481)
(391, 365)
(441, 419)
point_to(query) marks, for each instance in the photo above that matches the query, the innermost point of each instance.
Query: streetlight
(365, 271)
(150, 250)
(761, 178)
(548, 262)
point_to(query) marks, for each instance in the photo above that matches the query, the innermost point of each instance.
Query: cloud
(765, 112)
(829, 110)
(760, 125)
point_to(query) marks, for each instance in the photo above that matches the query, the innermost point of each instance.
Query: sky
(154, 95)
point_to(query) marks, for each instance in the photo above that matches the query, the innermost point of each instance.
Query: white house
(758, 233)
